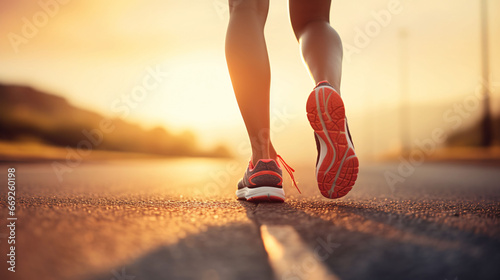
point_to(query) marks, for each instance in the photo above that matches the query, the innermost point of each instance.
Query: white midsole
(260, 191)
(323, 148)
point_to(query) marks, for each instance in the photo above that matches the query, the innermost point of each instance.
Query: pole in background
(404, 113)
(486, 134)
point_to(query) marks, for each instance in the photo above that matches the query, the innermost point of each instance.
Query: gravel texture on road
(179, 219)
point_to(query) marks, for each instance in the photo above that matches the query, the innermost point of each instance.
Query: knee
(260, 7)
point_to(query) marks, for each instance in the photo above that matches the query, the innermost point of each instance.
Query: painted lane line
(290, 258)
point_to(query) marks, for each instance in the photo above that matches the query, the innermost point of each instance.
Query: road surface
(179, 219)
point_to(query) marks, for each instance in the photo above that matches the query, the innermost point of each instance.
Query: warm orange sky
(95, 52)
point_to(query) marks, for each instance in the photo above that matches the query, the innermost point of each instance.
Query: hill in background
(29, 115)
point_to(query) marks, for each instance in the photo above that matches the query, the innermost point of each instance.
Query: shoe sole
(337, 167)
(261, 194)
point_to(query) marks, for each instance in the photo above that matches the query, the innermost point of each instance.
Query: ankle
(258, 155)
(272, 153)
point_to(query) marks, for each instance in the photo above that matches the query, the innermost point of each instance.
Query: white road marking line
(290, 258)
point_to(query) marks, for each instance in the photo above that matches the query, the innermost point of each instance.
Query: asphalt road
(179, 219)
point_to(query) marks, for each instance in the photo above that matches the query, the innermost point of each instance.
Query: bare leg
(320, 44)
(248, 64)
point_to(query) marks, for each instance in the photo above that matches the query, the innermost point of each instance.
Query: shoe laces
(290, 171)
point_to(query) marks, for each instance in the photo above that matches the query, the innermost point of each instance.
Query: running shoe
(337, 163)
(264, 181)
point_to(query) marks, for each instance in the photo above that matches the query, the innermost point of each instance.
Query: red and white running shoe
(337, 163)
(264, 181)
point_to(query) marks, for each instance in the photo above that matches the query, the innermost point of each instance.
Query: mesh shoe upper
(265, 173)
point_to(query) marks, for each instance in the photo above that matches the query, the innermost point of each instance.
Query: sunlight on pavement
(290, 257)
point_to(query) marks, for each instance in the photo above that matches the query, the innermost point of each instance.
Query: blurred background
(150, 77)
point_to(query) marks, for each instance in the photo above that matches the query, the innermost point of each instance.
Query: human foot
(264, 181)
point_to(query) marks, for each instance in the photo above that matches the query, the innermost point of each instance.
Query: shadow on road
(370, 243)
(380, 243)
(227, 252)
(232, 251)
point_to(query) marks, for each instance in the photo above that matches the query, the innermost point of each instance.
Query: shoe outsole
(264, 198)
(337, 170)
